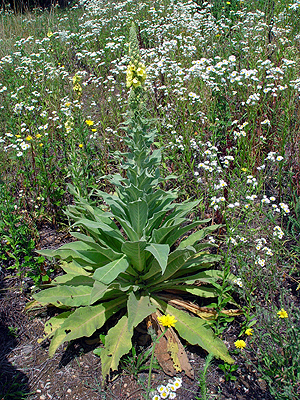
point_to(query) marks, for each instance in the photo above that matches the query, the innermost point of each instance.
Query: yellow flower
(76, 79)
(80, 145)
(38, 136)
(167, 320)
(28, 138)
(249, 332)
(282, 314)
(49, 34)
(89, 122)
(18, 136)
(41, 145)
(68, 104)
(94, 130)
(240, 344)
(244, 169)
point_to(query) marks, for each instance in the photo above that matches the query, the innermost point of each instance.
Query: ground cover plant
(223, 98)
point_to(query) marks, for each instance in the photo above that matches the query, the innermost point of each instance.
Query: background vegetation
(223, 80)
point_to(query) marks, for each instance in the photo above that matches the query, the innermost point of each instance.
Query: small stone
(69, 391)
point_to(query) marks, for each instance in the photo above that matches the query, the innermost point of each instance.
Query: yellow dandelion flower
(38, 136)
(28, 138)
(89, 122)
(240, 344)
(94, 130)
(80, 145)
(282, 314)
(249, 332)
(167, 320)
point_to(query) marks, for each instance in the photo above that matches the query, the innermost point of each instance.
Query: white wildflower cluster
(277, 208)
(238, 282)
(272, 156)
(239, 129)
(168, 391)
(278, 232)
(251, 181)
(260, 261)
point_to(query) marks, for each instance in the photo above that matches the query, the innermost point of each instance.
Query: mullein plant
(129, 258)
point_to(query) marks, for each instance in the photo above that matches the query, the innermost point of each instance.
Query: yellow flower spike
(167, 320)
(282, 314)
(240, 344)
(249, 332)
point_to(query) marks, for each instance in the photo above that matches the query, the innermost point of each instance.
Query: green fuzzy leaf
(110, 271)
(138, 213)
(205, 276)
(130, 232)
(196, 236)
(98, 292)
(135, 251)
(160, 235)
(138, 309)
(73, 268)
(172, 237)
(117, 343)
(196, 332)
(65, 295)
(160, 253)
(176, 261)
(199, 291)
(84, 322)
(74, 280)
(53, 324)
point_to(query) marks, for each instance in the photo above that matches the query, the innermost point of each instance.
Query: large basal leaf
(196, 236)
(85, 321)
(71, 280)
(159, 235)
(176, 234)
(199, 291)
(161, 253)
(110, 271)
(204, 276)
(98, 291)
(117, 343)
(176, 261)
(53, 324)
(71, 296)
(196, 332)
(135, 251)
(138, 213)
(73, 268)
(138, 309)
